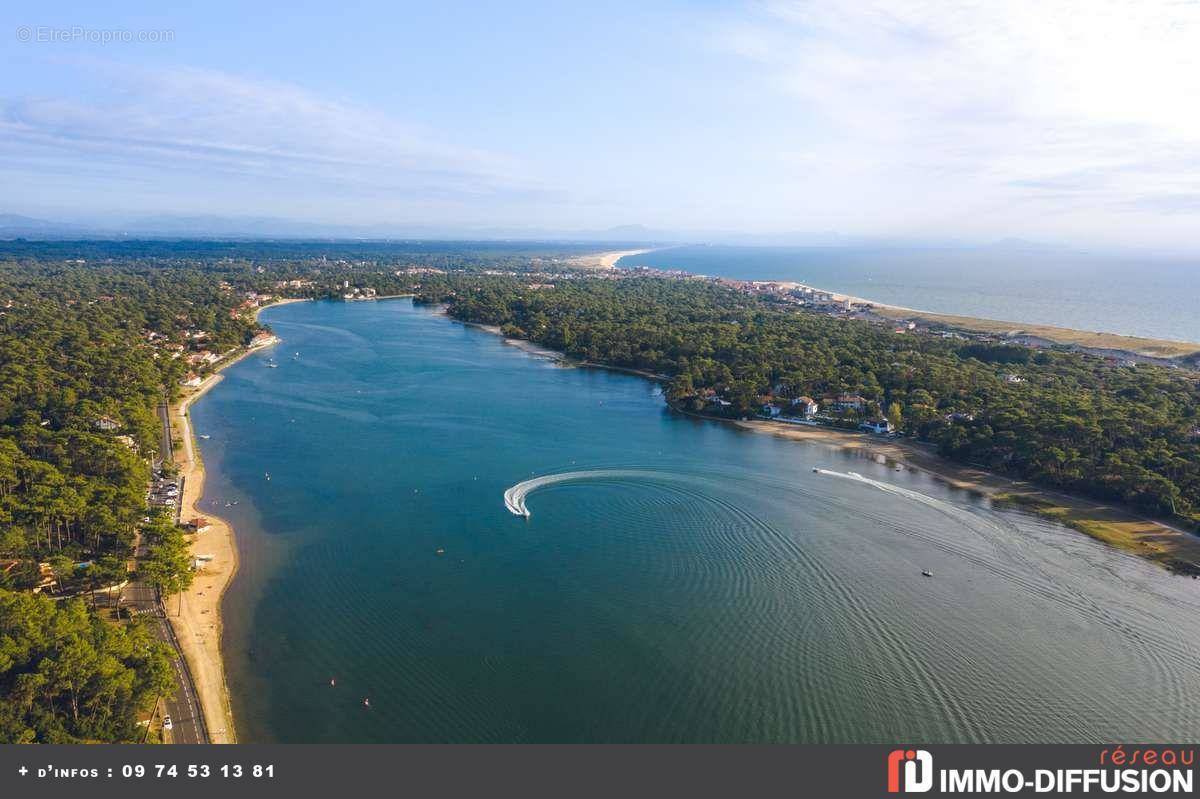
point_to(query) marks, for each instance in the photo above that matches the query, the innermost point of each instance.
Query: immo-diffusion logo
(1142, 771)
(917, 767)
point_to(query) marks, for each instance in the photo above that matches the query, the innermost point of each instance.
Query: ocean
(677, 580)
(1150, 297)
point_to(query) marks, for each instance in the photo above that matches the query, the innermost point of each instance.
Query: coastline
(1088, 341)
(1173, 548)
(1095, 342)
(199, 626)
(607, 260)
(554, 355)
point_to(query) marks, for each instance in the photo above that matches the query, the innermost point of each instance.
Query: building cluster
(355, 293)
(816, 300)
(295, 284)
(252, 302)
(808, 411)
(419, 270)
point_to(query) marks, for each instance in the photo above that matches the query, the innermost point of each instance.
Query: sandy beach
(198, 626)
(1174, 548)
(606, 260)
(1097, 343)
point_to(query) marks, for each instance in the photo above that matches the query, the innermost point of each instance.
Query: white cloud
(1018, 109)
(163, 125)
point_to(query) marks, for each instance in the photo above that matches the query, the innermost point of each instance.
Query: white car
(167, 723)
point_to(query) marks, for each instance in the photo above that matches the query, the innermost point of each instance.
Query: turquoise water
(694, 583)
(1148, 296)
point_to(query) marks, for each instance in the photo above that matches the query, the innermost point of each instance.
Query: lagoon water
(1155, 297)
(696, 583)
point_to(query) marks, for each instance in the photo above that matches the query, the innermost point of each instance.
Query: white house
(805, 405)
(848, 402)
(877, 426)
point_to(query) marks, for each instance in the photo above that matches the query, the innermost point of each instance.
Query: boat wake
(916, 496)
(514, 497)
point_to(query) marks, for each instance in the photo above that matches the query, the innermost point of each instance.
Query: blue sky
(1057, 120)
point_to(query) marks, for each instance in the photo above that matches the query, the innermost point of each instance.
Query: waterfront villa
(847, 402)
(805, 405)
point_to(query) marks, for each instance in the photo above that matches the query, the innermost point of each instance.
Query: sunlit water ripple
(679, 580)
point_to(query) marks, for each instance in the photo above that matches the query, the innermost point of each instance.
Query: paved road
(182, 706)
(165, 450)
(142, 600)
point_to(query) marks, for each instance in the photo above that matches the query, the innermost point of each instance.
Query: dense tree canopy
(1063, 419)
(94, 335)
(67, 676)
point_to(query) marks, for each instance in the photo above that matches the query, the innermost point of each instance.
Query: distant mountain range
(15, 226)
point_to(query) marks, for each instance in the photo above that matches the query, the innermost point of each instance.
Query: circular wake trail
(514, 497)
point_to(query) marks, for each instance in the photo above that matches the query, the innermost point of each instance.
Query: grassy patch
(1179, 553)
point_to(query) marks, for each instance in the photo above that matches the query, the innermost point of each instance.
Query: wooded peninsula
(95, 336)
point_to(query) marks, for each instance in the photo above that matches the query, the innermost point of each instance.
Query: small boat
(816, 470)
(366, 703)
(272, 366)
(441, 552)
(926, 573)
(206, 437)
(332, 682)
(268, 475)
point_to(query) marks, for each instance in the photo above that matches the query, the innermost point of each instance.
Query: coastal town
(1115, 351)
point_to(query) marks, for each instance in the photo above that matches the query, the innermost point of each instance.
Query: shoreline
(1175, 549)
(607, 260)
(1094, 342)
(199, 627)
(1170, 352)
(554, 355)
